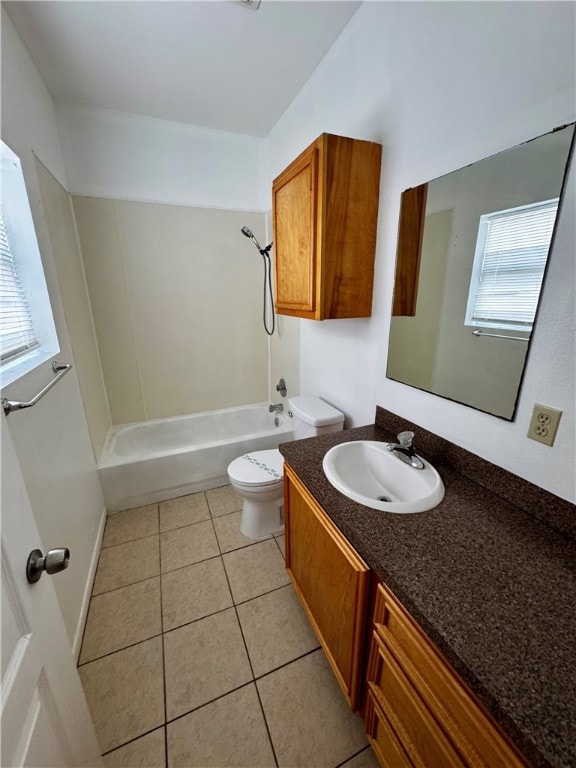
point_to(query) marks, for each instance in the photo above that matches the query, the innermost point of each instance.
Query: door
(331, 581)
(45, 720)
(294, 200)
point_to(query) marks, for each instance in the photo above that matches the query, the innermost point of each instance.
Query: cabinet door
(331, 581)
(294, 201)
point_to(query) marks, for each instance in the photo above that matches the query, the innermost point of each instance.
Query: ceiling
(218, 64)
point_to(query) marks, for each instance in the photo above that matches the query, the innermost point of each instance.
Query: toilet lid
(258, 468)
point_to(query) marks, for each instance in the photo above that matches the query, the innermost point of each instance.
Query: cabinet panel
(410, 234)
(294, 214)
(331, 581)
(383, 740)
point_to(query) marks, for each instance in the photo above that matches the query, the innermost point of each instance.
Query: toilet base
(261, 519)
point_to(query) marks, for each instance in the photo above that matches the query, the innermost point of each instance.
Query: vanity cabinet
(332, 582)
(325, 210)
(418, 712)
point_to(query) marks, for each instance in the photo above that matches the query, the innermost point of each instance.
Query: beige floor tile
(122, 617)
(193, 592)
(223, 500)
(204, 660)
(126, 564)
(130, 525)
(146, 752)
(185, 510)
(188, 545)
(281, 541)
(125, 693)
(366, 759)
(276, 629)
(254, 570)
(227, 732)
(228, 532)
(309, 720)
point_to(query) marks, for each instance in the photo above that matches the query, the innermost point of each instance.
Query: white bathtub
(150, 461)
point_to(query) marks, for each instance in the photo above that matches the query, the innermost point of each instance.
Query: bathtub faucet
(277, 407)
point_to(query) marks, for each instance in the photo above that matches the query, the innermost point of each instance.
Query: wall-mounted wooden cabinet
(325, 211)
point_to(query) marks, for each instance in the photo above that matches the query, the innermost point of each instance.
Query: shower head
(248, 232)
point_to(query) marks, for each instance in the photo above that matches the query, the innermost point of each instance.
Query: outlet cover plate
(544, 424)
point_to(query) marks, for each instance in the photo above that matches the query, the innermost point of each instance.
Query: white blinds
(16, 330)
(513, 246)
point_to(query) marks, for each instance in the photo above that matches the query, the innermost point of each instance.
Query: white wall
(52, 439)
(131, 157)
(441, 85)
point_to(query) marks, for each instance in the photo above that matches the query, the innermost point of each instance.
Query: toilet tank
(313, 416)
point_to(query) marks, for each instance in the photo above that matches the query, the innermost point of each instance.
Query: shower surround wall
(176, 293)
(175, 290)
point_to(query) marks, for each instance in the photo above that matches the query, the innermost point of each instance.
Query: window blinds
(513, 246)
(16, 329)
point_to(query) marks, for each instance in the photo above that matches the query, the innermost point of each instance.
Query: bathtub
(149, 461)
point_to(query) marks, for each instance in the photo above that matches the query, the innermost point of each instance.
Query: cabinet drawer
(476, 737)
(382, 738)
(413, 723)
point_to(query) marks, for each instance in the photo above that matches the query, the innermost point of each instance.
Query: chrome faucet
(277, 407)
(404, 450)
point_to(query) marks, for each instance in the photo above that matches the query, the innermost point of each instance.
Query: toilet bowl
(259, 476)
(259, 479)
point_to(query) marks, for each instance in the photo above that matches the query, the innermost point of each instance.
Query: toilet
(259, 476)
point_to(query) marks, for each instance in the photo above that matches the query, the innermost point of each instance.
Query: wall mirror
(472, 252)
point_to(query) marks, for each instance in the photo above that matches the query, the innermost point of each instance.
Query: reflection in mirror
(472, 252)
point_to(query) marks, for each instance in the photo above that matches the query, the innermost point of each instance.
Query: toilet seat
(259, 469)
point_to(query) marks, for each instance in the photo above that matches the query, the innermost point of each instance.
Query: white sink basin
(366, 472)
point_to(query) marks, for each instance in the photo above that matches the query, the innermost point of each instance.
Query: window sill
(12, 371)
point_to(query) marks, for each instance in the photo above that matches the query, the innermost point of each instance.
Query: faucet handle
(405, 439)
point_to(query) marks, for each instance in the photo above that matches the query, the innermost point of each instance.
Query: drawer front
(413, 723)
(383, 740)
(470, 728)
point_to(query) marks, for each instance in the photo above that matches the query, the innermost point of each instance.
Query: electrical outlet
(543, 424)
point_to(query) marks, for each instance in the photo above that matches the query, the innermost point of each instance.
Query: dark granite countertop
(488, 580)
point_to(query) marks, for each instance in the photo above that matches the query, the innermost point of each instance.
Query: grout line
(206, 703)
(124, 586)
(130, 541)
(287, 663)
(163, 648)
(118, 650)
(130, 741)
(249, 659)
(344, 762)
(267, 726)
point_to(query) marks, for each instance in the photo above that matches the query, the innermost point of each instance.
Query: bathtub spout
(276, 407)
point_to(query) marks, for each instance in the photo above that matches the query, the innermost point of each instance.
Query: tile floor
(197, 653)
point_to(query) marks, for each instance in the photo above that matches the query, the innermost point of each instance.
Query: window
(511, 252)
(27, 332)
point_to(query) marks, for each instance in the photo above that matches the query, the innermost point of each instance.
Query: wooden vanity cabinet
(331, 580)
(418, 712)
(325, 210)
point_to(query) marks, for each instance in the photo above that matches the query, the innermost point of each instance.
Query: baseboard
(79, 635)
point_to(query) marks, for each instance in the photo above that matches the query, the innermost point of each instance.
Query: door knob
(54, 561)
